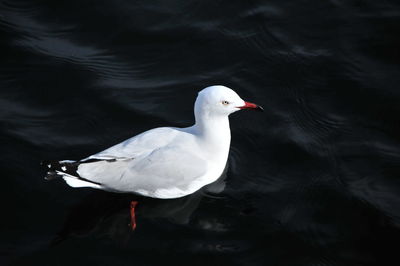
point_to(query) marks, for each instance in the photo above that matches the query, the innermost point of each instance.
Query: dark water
(315, 180)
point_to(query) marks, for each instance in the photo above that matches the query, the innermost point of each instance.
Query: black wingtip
(51, 167)
(48, 164)
(51, 175)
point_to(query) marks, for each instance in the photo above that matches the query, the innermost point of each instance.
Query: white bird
(165, 162)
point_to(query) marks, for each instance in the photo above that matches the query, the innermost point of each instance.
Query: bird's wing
(167, 172)
(139, 144)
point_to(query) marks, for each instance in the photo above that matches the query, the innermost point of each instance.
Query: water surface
(312, 181)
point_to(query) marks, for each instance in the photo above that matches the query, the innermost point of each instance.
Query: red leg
(133, 218)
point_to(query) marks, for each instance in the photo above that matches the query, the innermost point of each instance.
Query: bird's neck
(213, 130)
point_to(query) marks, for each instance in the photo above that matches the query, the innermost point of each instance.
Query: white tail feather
(73, 181)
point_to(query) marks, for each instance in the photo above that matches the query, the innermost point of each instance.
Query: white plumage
(165, 162)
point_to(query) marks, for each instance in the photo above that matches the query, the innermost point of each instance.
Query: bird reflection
(110, 212)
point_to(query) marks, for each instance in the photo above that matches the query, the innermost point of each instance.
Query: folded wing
(163, 173)
(139, 144)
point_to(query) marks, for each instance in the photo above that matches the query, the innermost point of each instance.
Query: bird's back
(158, 163)
(140, 144)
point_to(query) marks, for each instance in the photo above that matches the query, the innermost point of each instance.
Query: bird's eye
(225, 102)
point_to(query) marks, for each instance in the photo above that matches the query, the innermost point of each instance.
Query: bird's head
(221, 100)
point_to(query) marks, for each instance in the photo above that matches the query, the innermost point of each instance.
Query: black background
(314, 180)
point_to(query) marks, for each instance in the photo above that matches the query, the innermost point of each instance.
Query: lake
(314, 180)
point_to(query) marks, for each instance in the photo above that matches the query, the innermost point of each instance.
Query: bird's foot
(133, 217)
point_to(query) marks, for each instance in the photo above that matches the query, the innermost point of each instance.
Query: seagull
(164, 162)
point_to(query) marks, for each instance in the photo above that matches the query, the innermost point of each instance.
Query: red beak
(252, 106)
